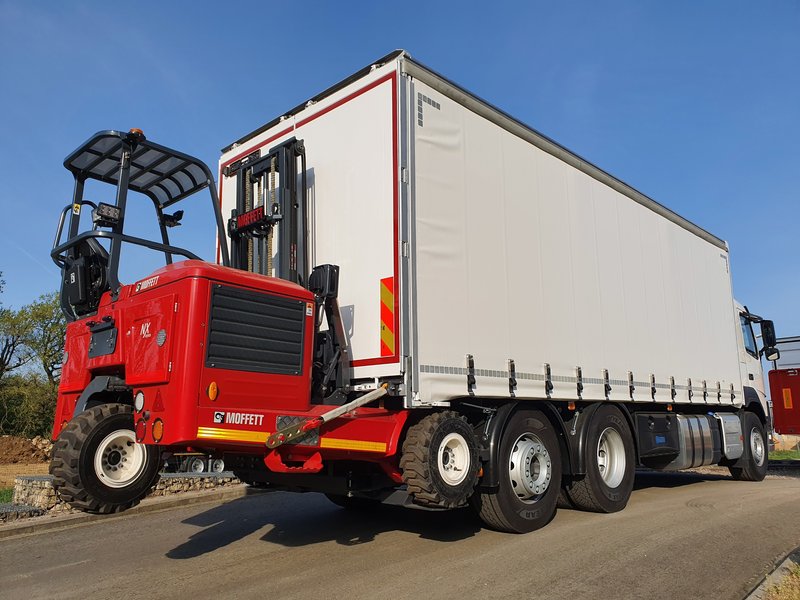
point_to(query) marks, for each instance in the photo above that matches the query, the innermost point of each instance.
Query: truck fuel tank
(671, 442)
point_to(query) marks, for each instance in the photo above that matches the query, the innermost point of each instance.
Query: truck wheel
(97, 465)
(530, 477)
(440, 460)
(217, 465)
(610, 464)
(755, 459)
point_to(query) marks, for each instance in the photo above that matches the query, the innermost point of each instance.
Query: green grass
(6, 494)
(785, 455)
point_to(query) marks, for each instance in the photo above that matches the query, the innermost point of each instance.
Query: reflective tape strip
(340, 444)
(387, 317)
(232, 435)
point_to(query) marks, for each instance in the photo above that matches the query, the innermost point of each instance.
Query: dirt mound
(20, 450)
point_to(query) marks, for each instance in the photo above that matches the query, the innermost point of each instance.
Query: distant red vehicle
(784, 387)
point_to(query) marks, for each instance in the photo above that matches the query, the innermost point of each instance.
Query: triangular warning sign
(158, 404)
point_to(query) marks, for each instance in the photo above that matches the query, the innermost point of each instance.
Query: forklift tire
(529, 463)
(440, 460)
(610, 461)
(755, 459)
(98, 467)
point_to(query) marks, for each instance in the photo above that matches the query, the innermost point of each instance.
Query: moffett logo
(219, 417)
(147, 283)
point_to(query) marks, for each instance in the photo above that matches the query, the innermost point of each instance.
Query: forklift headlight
(138, 401)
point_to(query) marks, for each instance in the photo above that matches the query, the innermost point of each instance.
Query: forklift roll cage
(130, 162)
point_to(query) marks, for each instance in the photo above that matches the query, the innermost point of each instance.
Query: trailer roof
(507, 122)
(163, 174)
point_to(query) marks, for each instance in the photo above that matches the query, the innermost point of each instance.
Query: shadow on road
(667, 479)
(305, 519)
(295, 520)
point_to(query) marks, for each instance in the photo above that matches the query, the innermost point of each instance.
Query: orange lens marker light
(213, 391)
(158, 430)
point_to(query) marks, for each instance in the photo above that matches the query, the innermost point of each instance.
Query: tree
(45, 337)
(34, 332)
(27, 404)
(15, 327)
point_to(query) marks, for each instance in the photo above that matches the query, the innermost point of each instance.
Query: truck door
(749, 360)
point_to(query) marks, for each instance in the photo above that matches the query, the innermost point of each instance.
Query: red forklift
(183, 358)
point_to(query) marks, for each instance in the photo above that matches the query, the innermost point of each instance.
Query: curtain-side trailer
(472, 312)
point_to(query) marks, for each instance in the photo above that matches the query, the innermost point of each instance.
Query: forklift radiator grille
(252, 331)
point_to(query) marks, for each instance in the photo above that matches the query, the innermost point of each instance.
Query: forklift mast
(268, 202)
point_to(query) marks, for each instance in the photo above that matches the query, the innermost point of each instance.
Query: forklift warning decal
(233, 435)
(260, 437)
(387, 316)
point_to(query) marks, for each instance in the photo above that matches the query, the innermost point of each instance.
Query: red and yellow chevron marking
(231, 435)
(387, 317)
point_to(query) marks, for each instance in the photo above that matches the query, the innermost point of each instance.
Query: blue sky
(695, 103)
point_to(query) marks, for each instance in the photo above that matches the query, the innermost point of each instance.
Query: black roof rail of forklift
(165, 175)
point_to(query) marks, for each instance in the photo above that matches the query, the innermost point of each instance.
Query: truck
(784, 386)
(413, 291)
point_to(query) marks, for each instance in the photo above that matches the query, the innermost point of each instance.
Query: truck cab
(750, 368)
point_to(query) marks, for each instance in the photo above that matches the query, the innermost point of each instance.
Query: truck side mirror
(768, 334)
(771, 353)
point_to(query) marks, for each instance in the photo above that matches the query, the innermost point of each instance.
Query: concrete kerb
(776, 575)
(36, 525)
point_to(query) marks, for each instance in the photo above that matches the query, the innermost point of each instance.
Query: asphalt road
(682, 536)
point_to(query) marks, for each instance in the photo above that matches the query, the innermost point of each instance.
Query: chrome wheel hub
(529, 468)
(611, 457)
(757, 446)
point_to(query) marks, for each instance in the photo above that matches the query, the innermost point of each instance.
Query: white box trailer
(480, 258)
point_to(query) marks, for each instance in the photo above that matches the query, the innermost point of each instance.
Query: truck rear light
(158, 430)
(138, 401)
(141, 430)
